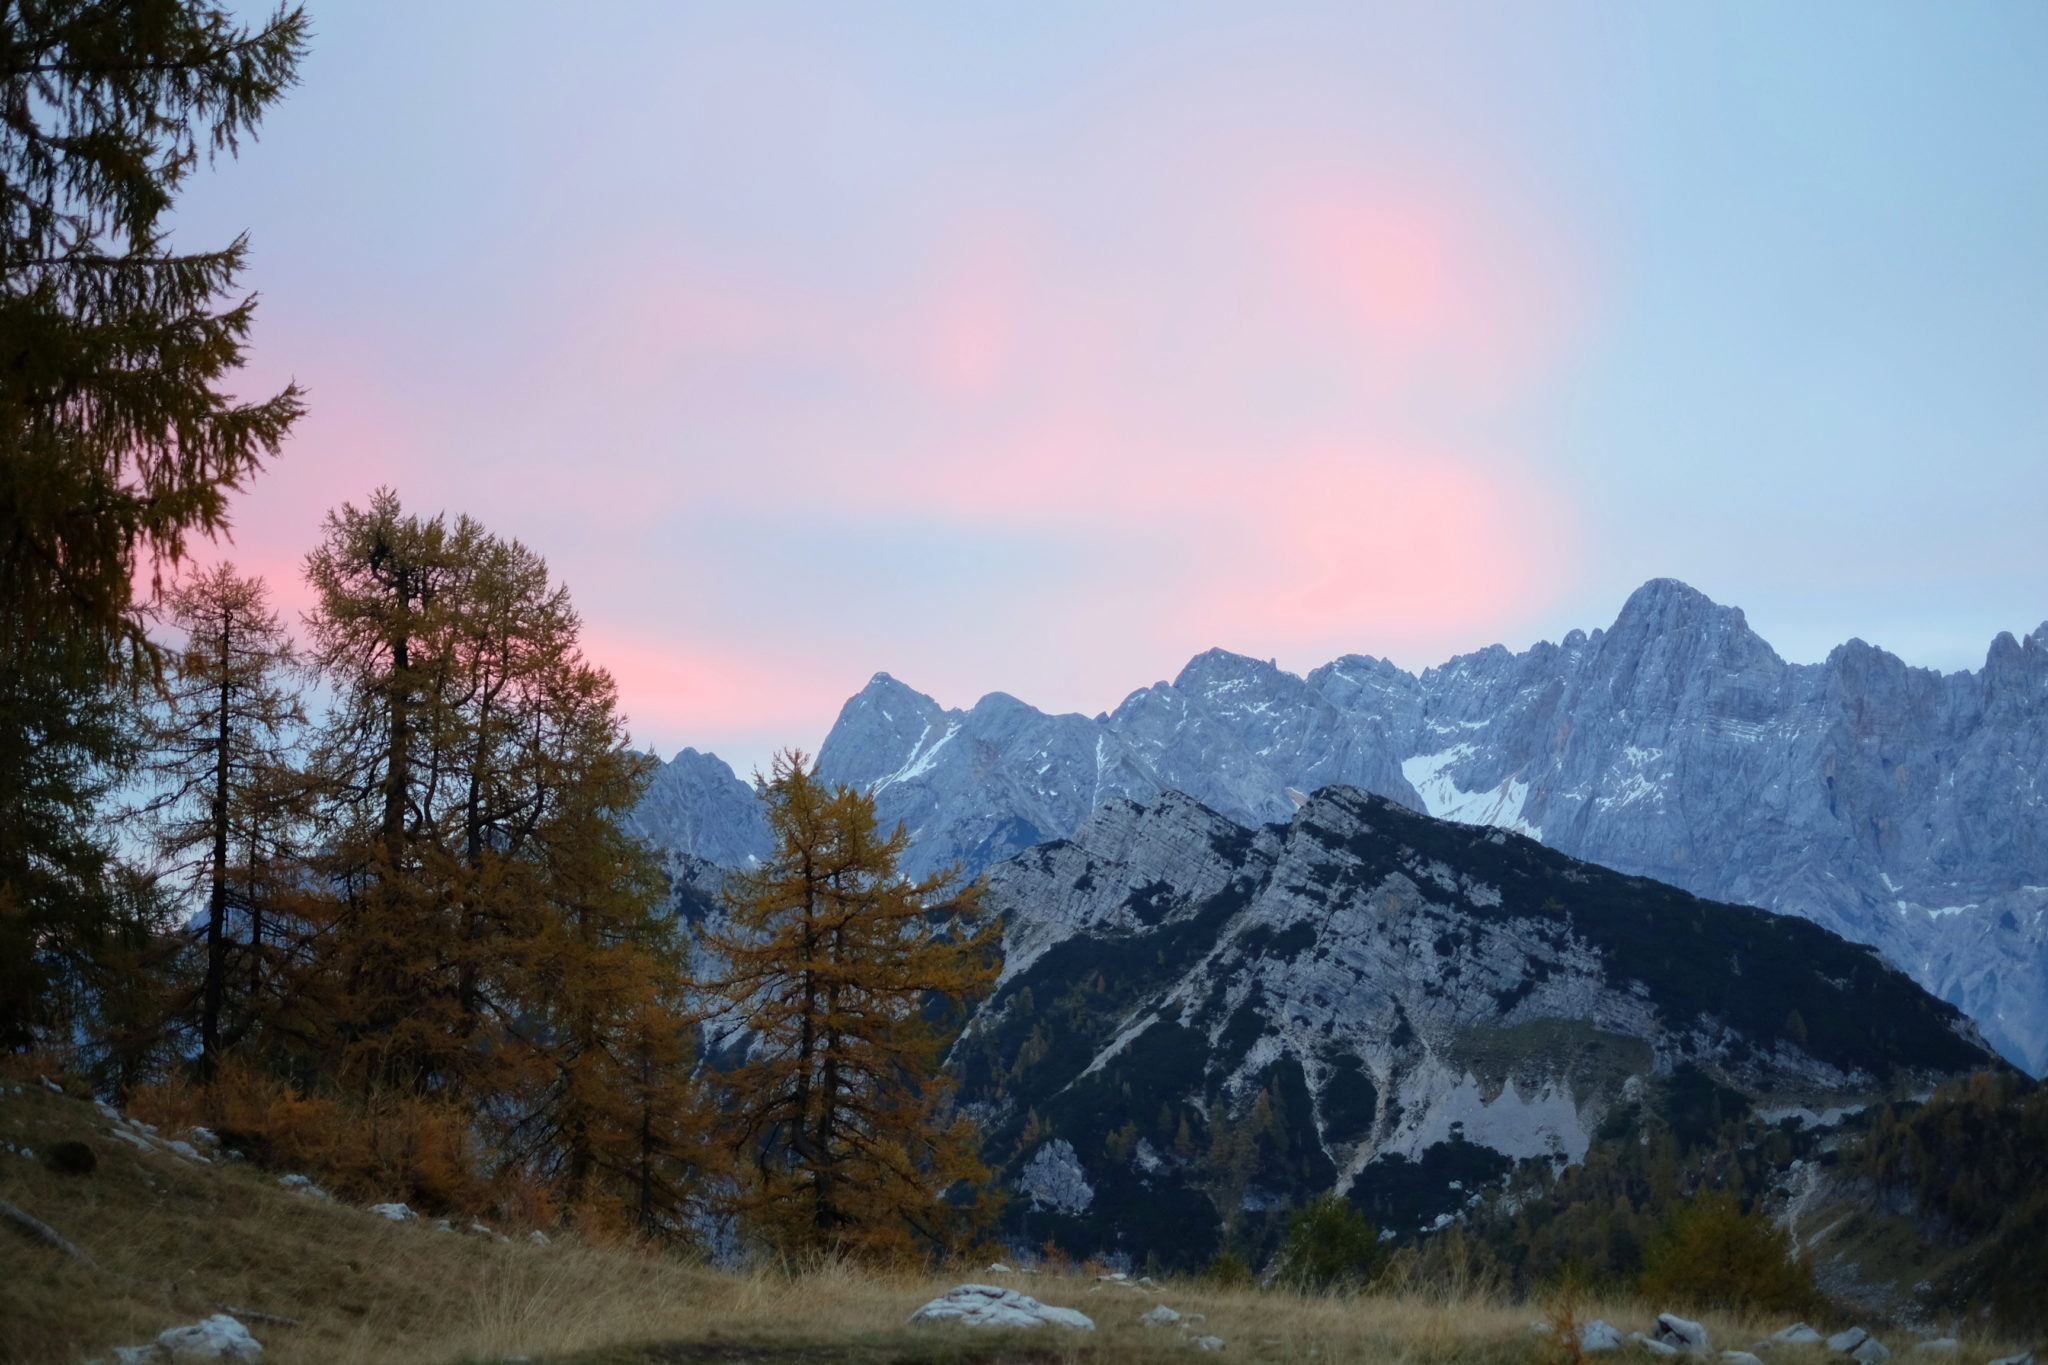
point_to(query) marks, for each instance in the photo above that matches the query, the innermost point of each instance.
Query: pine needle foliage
(850, 980)
(118, 438)
(1329, 1243)
(118, 442)
(66, 739)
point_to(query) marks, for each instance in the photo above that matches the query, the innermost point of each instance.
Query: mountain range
(1897, 806)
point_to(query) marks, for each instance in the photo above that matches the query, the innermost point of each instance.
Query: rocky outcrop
(219, 1337)
(987, 1305)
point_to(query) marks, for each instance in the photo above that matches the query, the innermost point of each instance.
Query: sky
(1037, 347)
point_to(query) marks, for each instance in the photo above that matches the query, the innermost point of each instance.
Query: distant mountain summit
(697, 808)
(1897, 806)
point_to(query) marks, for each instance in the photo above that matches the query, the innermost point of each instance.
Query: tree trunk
(397, 773)
(214, 989)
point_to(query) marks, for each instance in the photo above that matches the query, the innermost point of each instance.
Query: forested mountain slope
(1200, 1023)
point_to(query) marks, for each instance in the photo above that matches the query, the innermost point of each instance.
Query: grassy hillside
(175, 1240)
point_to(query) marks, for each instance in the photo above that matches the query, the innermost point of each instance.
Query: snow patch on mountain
(921, 760)
(1431, 775)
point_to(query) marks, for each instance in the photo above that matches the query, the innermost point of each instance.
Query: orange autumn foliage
(849, 980)
(388, 1146)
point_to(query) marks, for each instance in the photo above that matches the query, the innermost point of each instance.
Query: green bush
(1710, 1254)
(1329, 1243)
(1229, 1271)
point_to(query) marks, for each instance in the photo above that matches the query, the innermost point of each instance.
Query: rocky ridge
(1199, 1022)
(1896, 806)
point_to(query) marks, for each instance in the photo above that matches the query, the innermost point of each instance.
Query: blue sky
(1037, 347)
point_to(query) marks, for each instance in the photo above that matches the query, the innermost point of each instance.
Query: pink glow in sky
(1040, 351)
(1247, 401)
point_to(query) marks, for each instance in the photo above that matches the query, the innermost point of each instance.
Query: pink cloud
(1357, 549)
(1247, 394)
(669, 687)
(972, 317)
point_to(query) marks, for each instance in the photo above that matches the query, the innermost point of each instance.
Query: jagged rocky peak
(1367, 1000)
(1890, 804)
(999, 706)
(696, 806)
(1218, 671)
(1671, 645)
(1665, 606)
(883, 720)
(2017, 668)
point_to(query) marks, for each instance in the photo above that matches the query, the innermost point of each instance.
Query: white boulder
(1207, 1343)
(1598, 1335)
(1849, 1340)
(986, 1305)
(1652, 1345)
(1740, 1358)
(219, 1337)
(1681, 1334)
(301, 1184)
(1798, 1334)
(1162, 1316)
(1871, 1352)
(397, 1213)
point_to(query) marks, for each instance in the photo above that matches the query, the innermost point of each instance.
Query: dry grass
(176, 1240)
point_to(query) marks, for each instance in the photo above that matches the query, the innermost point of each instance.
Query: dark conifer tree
(119, 440)
(65, 739)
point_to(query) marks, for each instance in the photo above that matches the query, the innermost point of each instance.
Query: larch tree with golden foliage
(849, 979)
(231, 800)
(495, 942)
